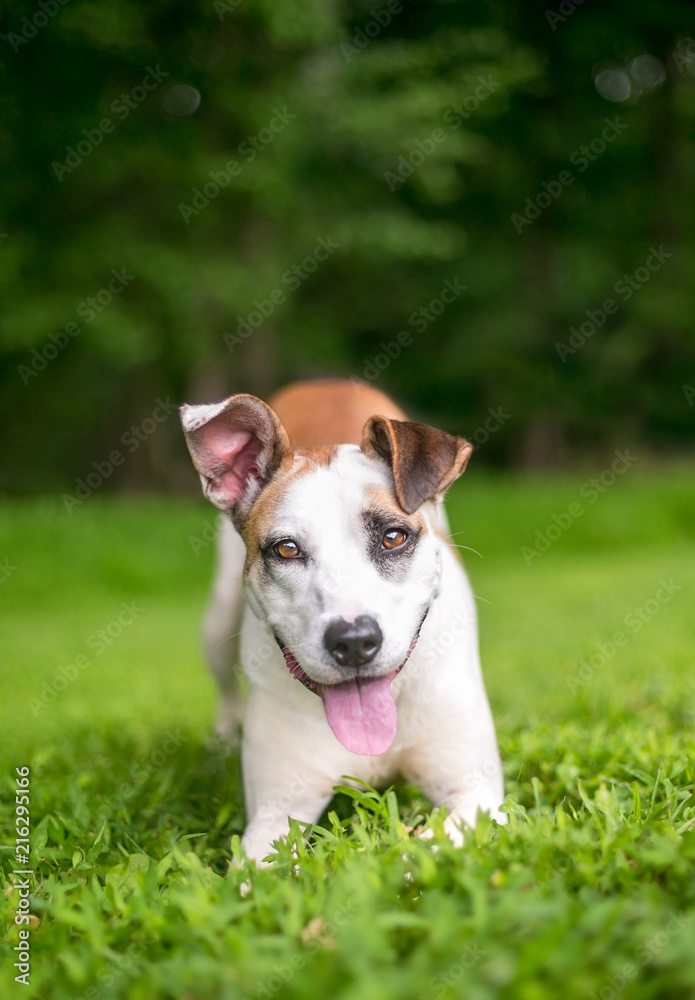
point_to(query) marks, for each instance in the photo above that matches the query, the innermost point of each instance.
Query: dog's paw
(455, 824)
(452, 828)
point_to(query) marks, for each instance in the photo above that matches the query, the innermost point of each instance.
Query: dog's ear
(236, 446)
(424, 461)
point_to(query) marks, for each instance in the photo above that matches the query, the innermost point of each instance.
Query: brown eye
(393, 539)
(287, 549)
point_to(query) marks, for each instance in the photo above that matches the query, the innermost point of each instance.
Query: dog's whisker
(227, 638)
(478, 598)
(453, 545)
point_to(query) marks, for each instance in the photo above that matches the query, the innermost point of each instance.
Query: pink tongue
(362, 714)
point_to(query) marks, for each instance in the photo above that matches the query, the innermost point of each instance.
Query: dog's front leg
(270, 822)
(459, 767)
(283, 778)
(285, 794)
(473, 790)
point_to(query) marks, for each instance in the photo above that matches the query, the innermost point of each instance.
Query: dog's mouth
(361, 711)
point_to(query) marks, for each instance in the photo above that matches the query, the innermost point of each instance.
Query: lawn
(587, 648)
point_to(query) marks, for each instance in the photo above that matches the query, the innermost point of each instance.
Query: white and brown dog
(356, 621)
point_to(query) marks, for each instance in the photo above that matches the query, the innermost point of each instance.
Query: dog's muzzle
(361, 711)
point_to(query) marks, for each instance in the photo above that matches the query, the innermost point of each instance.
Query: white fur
(445, 741)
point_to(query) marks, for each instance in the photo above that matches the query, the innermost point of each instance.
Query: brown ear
(424, 461)
(236, 446)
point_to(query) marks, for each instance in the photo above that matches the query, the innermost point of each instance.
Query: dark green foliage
(511, 91)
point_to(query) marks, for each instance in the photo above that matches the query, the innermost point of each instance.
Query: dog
(340, 593)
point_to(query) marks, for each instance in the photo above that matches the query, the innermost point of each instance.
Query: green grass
(587, 893)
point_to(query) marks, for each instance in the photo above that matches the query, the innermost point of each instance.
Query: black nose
(352, 644)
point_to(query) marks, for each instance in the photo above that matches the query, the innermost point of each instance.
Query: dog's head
(342, 558)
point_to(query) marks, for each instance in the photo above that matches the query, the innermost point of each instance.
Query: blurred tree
(284, 188)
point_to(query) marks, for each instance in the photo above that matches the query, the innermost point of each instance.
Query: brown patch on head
(329, 411)
(323, 455)
(424, 461)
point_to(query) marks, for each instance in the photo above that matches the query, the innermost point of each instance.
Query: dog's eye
(287, 549)
(393, 539)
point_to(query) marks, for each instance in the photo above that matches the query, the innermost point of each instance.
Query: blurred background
(486, 209)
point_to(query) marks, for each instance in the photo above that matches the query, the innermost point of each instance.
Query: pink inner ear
(230, 457)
